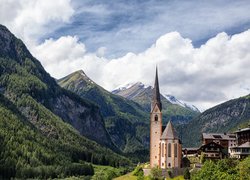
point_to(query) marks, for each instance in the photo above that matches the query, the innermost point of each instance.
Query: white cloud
(205, 76)
(67, 54)
(101, 51)
(31, 19)
(122, 26)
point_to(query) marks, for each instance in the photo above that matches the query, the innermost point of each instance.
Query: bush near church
(224, 169)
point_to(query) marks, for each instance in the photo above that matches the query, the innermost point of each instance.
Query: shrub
(186, 174)
(202, 158)
(244, 169)
(156, 173)
(170, 173)
(185, 162)
(138, 171)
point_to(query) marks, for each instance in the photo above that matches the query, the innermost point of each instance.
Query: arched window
(156, 118)
(175, 150)
(169, 150)
(162, 149)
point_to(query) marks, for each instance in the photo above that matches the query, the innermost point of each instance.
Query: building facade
(212, 150)
(224, 139)
(236, 144)
(242, 149)
(243, 135)
(190, 152)
(165, 146)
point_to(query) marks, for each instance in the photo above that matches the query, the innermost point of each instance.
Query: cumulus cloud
(215, 72)
(205, 76)
(132, 26)
(30, 20)
(67, 54)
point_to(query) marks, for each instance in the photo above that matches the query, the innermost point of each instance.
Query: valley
(72, 127)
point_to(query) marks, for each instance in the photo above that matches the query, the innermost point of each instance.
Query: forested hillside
(226, 117)
(126, 121)
(37, 117)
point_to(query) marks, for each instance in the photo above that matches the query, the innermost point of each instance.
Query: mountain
(22, 75)
(44, 128)
(226, 117)
(173, 109)
(125, 120)
(173, 100)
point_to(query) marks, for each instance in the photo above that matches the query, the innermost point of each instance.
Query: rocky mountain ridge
(125, 120)
(226, 117)
(140, 93)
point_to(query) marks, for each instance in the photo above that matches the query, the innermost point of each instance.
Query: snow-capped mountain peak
(124, 87)
(174, 100)
(129, 85)
(138, 89)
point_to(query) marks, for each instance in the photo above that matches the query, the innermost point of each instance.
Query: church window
(175, 150)
(169, 150)
(169, 165)
(162, 149)
(156, 118)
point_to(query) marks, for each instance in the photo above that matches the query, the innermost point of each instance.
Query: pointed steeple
(156, 93)
(169, 132)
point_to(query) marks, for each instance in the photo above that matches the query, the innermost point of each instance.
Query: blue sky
(123, 26)
(201, 47)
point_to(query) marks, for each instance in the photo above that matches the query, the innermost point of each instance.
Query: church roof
(169, 132)
(156, 93)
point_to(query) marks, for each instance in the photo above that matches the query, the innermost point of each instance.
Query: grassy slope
(127, 177)
(131, 177)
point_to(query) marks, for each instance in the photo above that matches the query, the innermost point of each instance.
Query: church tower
(155, 125)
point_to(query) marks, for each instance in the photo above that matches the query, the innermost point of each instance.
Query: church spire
(156, 93)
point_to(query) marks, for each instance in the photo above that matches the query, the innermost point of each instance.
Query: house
(243, 135)
(226, 140)
(237, 143)
(190, 151)
(212, 150)
(242, 149)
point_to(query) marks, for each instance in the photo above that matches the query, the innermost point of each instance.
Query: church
(165, 146)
